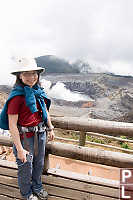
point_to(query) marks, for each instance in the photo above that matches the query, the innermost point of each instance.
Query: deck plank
(8, 171)
(9, 191)
(84, 177)
(2, 197)
(81, 186)
(62, 192)
(59, 181)
(58, 185)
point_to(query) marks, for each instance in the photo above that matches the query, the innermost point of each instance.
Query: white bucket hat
(25, 64)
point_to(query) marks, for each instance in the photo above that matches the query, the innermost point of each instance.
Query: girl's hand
(51, 135)
(22, 155)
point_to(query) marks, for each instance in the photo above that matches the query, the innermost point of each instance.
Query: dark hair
(20, 82)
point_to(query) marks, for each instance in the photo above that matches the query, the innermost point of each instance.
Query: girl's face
(29, 78)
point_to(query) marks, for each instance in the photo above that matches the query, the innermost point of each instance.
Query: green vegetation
(95, 139)
(74, 136)
(123, 144)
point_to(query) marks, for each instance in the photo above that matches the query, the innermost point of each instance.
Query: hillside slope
(112, 96)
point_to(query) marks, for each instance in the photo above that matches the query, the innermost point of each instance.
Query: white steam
(121, 68)
(59, 91)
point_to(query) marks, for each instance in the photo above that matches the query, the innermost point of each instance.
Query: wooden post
(82, 138)
(46, 162)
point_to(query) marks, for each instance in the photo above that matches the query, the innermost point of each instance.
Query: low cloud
(98, 31)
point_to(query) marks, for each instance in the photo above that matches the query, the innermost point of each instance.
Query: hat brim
(39, 69)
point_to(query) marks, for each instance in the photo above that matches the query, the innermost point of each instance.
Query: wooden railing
(94, 125)
(93, 155)
(96, 128)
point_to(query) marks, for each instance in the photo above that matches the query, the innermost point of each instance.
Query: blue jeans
(29, 173)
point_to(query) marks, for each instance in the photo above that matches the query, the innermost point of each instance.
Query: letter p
(126, 173)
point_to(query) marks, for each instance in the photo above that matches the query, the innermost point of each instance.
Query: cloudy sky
(100, 31)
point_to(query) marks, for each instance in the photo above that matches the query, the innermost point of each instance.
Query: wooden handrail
(6, 141)
(93, 125)
(93, 155)
(84, 125)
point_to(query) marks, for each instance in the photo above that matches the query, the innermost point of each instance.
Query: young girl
(26, 115)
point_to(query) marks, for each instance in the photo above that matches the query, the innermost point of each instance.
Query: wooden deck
(64, 185)
(61, 185)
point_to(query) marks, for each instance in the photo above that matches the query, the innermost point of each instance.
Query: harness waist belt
(39, 128)
(36, 129)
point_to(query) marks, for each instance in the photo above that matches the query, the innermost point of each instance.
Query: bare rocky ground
(112, 96)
